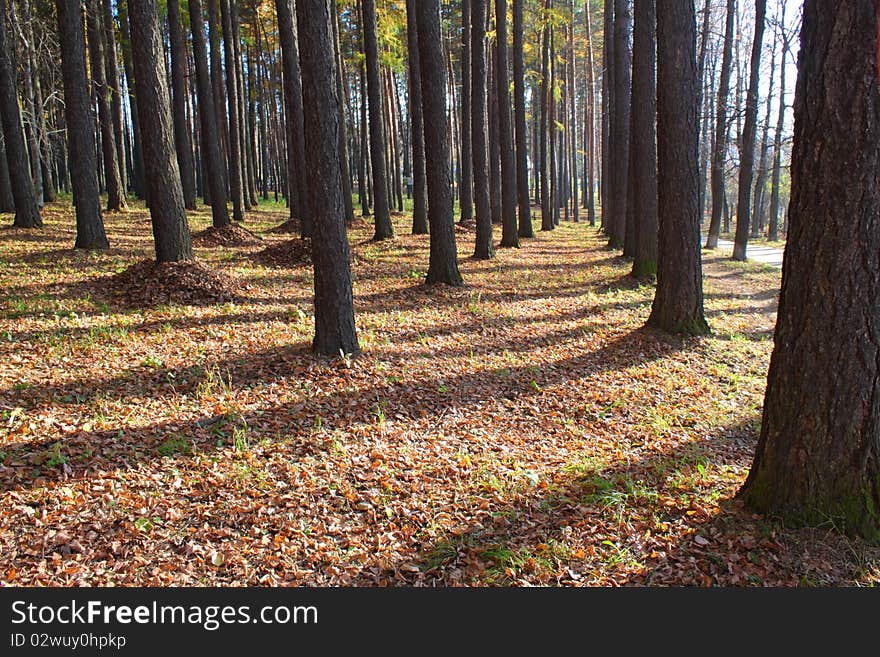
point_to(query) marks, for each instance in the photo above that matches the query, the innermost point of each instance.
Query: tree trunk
(334, 310)
(590, 124)
(443, 265)
(112, 177)
(466, 193)
(27, 214)
(509, 231)
(170, 230)
(522, 137)
(546, 92)
(773, 228)
(7, 202)
(137, 178)
(235, 169)
(573, 126)
(80, 133)
(211, 154)
(420, 189)
(720, 148)
(216, 59)
(678, 302)
(747, 157)
(344, 170)
(818, 456)
(484, 248)
(494, 143)
(760, 196)
(620, 128)
(111, 64)
(381, 211)
(607, 114)
(183, 145)
(643, 150)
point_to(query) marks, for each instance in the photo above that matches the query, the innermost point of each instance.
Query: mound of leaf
(229, 235)
(289, 253)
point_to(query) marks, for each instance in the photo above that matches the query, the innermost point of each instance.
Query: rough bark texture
(443, 263)
(27, 214)
(381, 211)
(296, 157)
(182, 142)
(678, 302)
(420, 185)
(137, 173)
(818, 456)
(643, 135)
(509, 231)
(236, 190)
(112, 177)
(111, 66)
(484, 248)
(170, 230)
(747, 155)
(720, 143)
(334, 309)
(7, 203)
(466, 192)
(211, 155)
(619, 166)
(546, 208)
(80, 133)
(344, 169)
(522, 136)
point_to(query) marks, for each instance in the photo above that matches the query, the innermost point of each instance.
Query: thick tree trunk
(334, 310)
(466, 193)
(484, 248)
(443, 264)
(216, 58)
(720, 142)
(420, 185)
(509, 230)
(183, 145)
(747, 156)
(211, 155)
(818, 456)
(381, 211)
(522, 137)
(112, 177)
(170, 230)
(80, 132)
(643, 149)
(27, 214)
(678, 302)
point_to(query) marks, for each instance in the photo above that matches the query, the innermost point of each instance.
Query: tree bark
(643, 149)
(773, 228)
(466, 193)
(27, 214)
(818, 455)
(678, 302)
(170, 230)
(183, 145)
(335, 333)
(211, 154)
(235, 157)
(620, 128)
(137, 178)
(747, 156)
(80, 133)
(111, 64)
(522, 137)
(420, 185)
(381, 211)
(484, 248)
(720, 148)
(509, 230)
(443, 264)
(345, 171)
(7, 203)
(546, 93)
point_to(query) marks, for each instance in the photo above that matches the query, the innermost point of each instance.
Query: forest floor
(524, 429)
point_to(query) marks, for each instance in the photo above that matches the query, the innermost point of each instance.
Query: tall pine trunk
(509, 230)
(466, 193)
(620, 125)
(484, 248)
(235, 156)
(420, 185)
(522, 137)
(182, 143)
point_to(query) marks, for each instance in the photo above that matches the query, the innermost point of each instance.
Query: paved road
(765, 254)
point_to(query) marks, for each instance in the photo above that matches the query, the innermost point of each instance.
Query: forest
(454, 293)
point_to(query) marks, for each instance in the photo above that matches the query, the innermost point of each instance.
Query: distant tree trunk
(757, 224)
(216, 59)
(334, 310)
(643, 149)
(112, 177)
(420, 189)
(747, 157)
(345, 171)
(620, 125)
(773, 228)
(701, 71)
(571, 93)
(211, 154)
(484, 248)
(607, 114)
(443, 265)
(509, 232)
(466, 195)
(522, 136)
(170, 230)
(546, 92)
(381, 211)
(590, 124)
(720, 148)
(235, 156)
(44, 152)
(678, 302)
(183, 145)
(111, 63)
(818, 455)
(298, 186)
(137, 172)
(80, 133)
(494, 143)
(27, 214)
